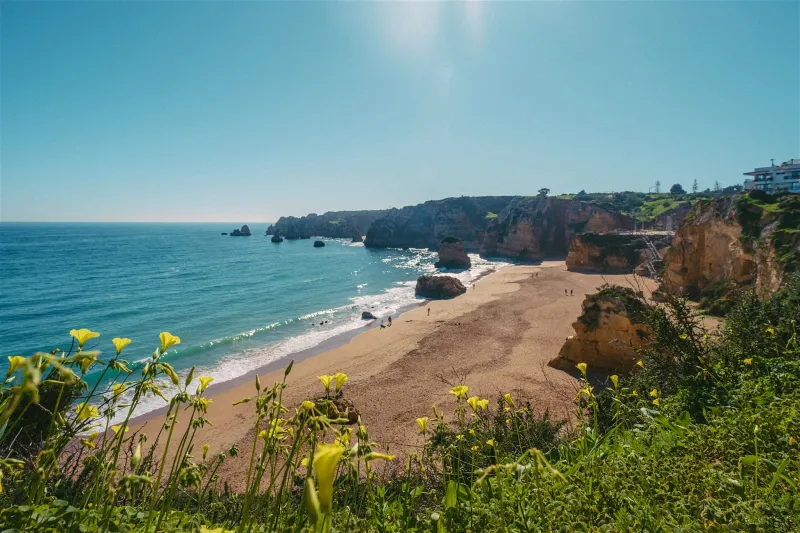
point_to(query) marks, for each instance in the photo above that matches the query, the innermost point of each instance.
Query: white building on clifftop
(775, 178)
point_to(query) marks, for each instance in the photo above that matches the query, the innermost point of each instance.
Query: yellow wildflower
(472, 432)
(475, 448)
(509, 400)
(748, 361)
(615, 380)
(304, 462)
(168, 340)
(490, 442)
(116, 429)
(86, 411)
(473, 402)
(326, 459)
(307, 406)
(459, 391)
(340, 380)
(459, 437)
(205, 381)
(640, 363)
(771, 330)
(83, 335)
(375, 456)
(654, 393)
(14, 362)
(205, 450)
(89, 443)
(582, 367)
(792, 442)
(120, 343)
(656, 402)
(635, 393)
(118, 389)
(168, 370)
(422, 422)
(326, 382)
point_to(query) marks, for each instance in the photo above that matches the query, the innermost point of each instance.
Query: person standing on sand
(570, 292)
(429, 311)
(390, 321)
(565, 292)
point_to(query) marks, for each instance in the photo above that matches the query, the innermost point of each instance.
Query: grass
(757, 209)
(703, 436)
(491, 216)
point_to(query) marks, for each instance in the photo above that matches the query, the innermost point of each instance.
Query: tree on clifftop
(694, 186)
(677, 189)
(543, 192)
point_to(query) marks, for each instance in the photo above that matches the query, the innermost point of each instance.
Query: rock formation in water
(357, 238)
(366, 315)
(452, 254)
(608, 333)
(244, 232)
(425, 225)
(439, 287)
(744, 240)
(533, 228)
(319, 244)
(276, 238)
(333, 224)
(611, 253)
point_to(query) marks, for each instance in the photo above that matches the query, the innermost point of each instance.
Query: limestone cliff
(750, 239)
(425, 225)
(533, 228)
(610, 252)
(333, 224)
(608, 333)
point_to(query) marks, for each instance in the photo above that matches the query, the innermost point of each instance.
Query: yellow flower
(326, 459)
(83, 335)
(167, 340)
(582, 367)
(792, 442)
(459, 391)
(490, 442)
(86, 411)
(205, 381)
(374, 456)
(89, 443)
(307, 406)
(635, 393)
(473, 402)
(654, 393)
(748, 361)
(304, 462)
(326, 382)
(168, 370)
(656, 402)
(640, 363)
(771, 330)
(340, 380)
(459, 437)
(436, 414)
(205, 450)
(509, 400)
(423, 424)
(14, 362)
(472, 432)
(475, 448)
(120, 343)
(118, 389)
(116, 429)
(85, 360)
(483, 404)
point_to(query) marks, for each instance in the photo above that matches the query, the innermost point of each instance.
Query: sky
(247, 111)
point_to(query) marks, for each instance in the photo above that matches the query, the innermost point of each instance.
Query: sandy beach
(496, 338)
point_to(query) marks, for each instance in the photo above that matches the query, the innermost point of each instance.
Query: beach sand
(496, 338)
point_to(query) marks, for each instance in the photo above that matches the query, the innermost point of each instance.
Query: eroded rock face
(244, 232)
(439, 287)
(608, 333)
(452, 254)
(533, 228)
(611, 252)
(425, 225)
(333, 224)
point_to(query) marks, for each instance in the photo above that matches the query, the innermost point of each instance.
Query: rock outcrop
(357, 238)
(333, 224)
(452, 254)
(319, 244)
(276, 238)
(439, 287)
(533, 228)
(244, 232)
(611, 253)
(672, 218)
(608, 333)
(745, 240)
(425, 225)
(366, 315)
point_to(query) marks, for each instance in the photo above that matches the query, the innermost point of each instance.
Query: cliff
(425, 225)
(746, 240)
(333, 224)
(608, 333)
(610, 252)
(533, 228)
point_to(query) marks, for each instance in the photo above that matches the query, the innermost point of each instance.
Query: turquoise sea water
(237, 303)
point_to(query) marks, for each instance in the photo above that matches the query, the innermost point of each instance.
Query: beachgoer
(429, 311)
(390, 321)
(570, 292)
(565, 292)
(382, 326)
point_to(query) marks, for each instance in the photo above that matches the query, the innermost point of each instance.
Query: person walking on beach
(390, 321)
(570, 292)
(565, 292)
(429, 311)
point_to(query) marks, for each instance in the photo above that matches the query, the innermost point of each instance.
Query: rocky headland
(333, 224)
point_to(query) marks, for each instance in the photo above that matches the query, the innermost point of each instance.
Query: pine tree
(694, 186)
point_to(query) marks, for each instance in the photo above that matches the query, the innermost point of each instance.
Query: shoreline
(326, 345)
(496, 338)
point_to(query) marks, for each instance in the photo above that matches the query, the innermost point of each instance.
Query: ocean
(237, 303)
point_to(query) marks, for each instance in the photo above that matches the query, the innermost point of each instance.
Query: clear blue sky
(245, 111)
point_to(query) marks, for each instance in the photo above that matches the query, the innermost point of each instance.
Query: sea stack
(244, 232)
(319, 244)
(276, 238)
(452, 254)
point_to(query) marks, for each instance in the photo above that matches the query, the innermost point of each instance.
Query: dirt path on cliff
(497, 338)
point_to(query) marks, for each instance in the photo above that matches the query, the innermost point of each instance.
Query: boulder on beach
(319, 244)
(452, 254)
(244, 232)
(439, 287)
(366, 315)
(276, 238)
